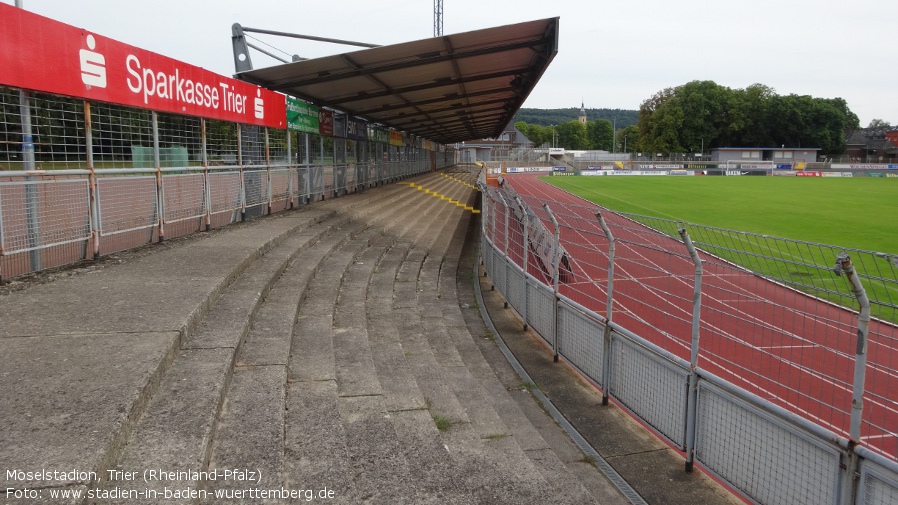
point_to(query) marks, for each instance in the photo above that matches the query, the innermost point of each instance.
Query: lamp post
(613, 133)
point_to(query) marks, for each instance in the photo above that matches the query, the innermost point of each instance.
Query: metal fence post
(268, 171)
(307, 162)
(207, 190)
(843, 264)
(609, 307)
(526, 243)
(32, 205)
(91, 184)
(240, 171)
(556, 258)
(157, 161)
(692, 390)
(506, 262)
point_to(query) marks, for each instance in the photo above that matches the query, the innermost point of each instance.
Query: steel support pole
(556, 258)
(692, 390)
(844, 265)
(32, 205)
(526, 241)
(609, 307)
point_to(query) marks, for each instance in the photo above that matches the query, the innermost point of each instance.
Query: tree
(628, 139)
(879, 124)
(703, 113)
(536, 133)
(572, 135)
(600, 134)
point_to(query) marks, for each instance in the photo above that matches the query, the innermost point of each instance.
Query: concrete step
(342, 384)
(177, 429)
(491, 412)
(123, 326)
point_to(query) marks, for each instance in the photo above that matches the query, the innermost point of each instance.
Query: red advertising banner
(326, 122)
(41, 54)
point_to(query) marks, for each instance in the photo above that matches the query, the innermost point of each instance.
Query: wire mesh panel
(280, 185)
(515, 292)
(581, 340)
(180, 141)
(878, 485)
(122, 137)
(43, 213)
(57, 131)
(225, 189)
(649, 386)
(277, 146)
(298, 184)
(328, 180)
(488, 255)
(499, 272)
(221, 143)
(255, 187)
(540, 300)
(126, 204)
(762, 456)
(183, 196)
(225, 195)
(316, 182)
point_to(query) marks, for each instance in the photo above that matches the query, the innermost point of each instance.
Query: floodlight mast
(437, 18)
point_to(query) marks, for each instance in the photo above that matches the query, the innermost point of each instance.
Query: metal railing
(103, 178)
(756, 374)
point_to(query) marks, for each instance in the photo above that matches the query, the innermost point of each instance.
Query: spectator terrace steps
(336, 355)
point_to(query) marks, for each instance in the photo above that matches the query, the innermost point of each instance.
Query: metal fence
(97, 178)
(738, 349)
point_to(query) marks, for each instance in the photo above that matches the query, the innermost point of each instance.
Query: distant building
(492, 149)
(795, 156)
(582, 116)
(871, 145)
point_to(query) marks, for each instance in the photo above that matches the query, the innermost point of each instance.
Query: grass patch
(527, 385)
(849, 212)
(442, 423)
(588, 460)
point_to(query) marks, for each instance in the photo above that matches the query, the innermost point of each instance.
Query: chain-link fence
(96, 178)
(745, 351)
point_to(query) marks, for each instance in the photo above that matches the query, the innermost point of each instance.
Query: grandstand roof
(446, 89)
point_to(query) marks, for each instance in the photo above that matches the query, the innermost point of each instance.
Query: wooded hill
(547, 117)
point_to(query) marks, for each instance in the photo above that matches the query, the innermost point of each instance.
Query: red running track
(787, 347)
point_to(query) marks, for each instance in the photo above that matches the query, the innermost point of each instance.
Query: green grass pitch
(857, 212)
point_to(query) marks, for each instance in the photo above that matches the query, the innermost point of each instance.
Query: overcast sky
(611, 54)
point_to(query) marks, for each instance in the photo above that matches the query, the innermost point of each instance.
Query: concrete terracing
(334, 348)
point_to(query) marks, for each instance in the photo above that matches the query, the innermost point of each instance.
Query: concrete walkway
(332, 353)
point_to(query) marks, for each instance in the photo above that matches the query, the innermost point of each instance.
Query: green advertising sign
(302, 116)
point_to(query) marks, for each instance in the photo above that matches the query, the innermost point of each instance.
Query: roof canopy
(446, 89)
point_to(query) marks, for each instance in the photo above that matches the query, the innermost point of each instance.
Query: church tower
(582, 117)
